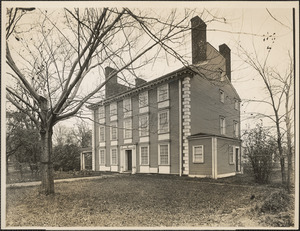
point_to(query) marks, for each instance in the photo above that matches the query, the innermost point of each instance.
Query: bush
(276, 202)
(66, 157)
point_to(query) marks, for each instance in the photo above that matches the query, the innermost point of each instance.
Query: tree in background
(260, 149)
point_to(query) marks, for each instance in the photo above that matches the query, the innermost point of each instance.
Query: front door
(237, 158)
(129, 160)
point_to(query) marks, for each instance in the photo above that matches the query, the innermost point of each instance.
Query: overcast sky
(244, 23)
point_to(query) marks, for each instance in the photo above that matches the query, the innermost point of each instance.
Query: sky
(245, 24)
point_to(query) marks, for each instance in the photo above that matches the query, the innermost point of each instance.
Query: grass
(142, 201)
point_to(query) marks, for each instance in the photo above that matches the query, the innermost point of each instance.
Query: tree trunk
(289, 142)
(47, 186)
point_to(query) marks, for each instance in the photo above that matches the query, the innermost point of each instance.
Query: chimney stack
(225, 51)
(112, 87)
(198, 40)
(139, 81)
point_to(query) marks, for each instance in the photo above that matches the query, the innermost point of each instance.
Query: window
(162, 93)
(102, 134)
(127, 129)
(231, 155)
(114, 131)
(113, 109)
(198, 154)
(127, 105)
(143, 99)
(144, 125)
(144, 155)
(114, 157)
(101, 112)
(163, 122)
(222, 96)
(235, 128)
(222, 125)
(236, 104)
(163, 154)
(102, 157)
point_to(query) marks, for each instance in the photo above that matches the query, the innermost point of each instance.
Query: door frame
(124, 164)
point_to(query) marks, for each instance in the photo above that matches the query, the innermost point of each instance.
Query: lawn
(147, 201)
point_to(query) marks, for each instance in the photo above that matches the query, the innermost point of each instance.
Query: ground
(151, 201)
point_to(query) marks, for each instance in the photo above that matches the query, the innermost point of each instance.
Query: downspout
(180, 127)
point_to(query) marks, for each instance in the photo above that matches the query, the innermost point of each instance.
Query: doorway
(128, 162)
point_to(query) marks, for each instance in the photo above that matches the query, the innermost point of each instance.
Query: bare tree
(55, 62)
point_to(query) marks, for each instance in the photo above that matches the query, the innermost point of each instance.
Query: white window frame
(222, 96)
(236, 128)
(101, 127)
(113, 125)
(143, 99)
(164, 87)
(125, 103)
(159, 155)
(160, 131)
(236, 104)
(100, 162)
(144, 146)
(231, 150)
(101, 112)
(111, 156)
(222, 125)
(144, 130)
(129, 128)
(113, 109)
(194, 154)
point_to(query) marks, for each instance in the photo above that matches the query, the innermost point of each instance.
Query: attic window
(222, 96)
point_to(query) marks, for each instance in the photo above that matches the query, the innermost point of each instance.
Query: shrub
(276, 202)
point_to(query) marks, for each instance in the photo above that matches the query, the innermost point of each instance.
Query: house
(186, 122)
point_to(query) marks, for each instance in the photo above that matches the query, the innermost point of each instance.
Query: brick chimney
(225, 51)
(198, 40)
(139, 81)
(112, 87)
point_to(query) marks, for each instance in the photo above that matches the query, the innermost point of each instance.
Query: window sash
(113, 109)
(127, 105)
(143, 99)
(127, 129)
(236, 128)
(198, 154)
(236, 104)
(145, 155)
(163, 93)
(222, 126)
(164, 154)
(101, 112)
(144, 125)
(102, 133)
(114, 131)
(102, 156)
(114, 159)
(163, 122)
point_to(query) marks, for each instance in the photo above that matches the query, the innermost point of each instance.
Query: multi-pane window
(162, 93)
(198, 154)
(127, 129)
(236, 128)
(144, 155)
(231, 155)
(222, 96)
(127, 105)
(236, 104)
(113, 109)
(102, 133)
(163, 122)
(101, 112)
(144, 125)
(164, 154)
(114, 131)
(143, 99)
(114, 157)
(102, 156)
(222, 126)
